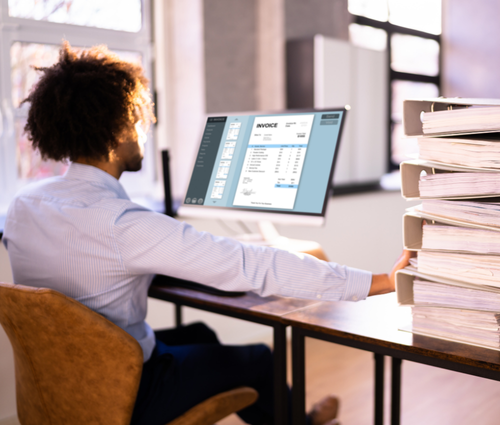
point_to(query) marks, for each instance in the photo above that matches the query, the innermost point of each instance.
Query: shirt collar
(93, 174)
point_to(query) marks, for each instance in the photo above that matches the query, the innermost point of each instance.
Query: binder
(410, 176)
(405, 278)
(412, 109)
(404, 286)
(445, 303)
(413, 231)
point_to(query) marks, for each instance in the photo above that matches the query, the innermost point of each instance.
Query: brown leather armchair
(65, 373)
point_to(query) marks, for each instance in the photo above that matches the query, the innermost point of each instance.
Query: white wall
(471, 51)
(363, 231)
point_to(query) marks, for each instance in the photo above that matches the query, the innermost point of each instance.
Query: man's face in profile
(131, 149)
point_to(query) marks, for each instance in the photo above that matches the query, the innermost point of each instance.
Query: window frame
(391, 29)
(44, 32)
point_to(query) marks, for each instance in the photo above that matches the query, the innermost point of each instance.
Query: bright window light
(422, 15)
(373, 9)
(368, 37)
(415, 55)
(119, 15)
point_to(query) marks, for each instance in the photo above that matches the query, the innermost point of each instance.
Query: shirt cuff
(357, 285)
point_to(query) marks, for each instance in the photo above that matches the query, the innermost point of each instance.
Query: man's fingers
(405, 256)
(403, 260)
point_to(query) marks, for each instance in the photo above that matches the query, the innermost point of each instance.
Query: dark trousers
(189, 365)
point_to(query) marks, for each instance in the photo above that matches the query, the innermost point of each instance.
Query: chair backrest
(72, 365)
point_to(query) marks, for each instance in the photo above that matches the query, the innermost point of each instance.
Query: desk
(372, 325)
(265, 311)
(268, 311)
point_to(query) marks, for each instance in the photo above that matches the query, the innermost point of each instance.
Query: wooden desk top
(376, 321)
(269, 308)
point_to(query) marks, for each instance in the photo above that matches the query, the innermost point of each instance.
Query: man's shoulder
(39, 185)
(67, 191)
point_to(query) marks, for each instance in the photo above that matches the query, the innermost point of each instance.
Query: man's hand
(383, 283)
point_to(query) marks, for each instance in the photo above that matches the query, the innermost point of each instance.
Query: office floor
(430, 396)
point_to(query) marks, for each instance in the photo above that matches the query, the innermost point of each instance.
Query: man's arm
(151, 243)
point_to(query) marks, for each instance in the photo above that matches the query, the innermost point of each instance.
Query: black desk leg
(280, 385)
(178, 315)
(298, 378)
(396, 392)
(379, 389)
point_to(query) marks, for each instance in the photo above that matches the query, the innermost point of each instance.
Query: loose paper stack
(454, 283)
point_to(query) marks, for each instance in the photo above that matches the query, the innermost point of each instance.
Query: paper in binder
(484, 213)
(425, 179)
(446, 309)
(483, 152)
(462, 120)
(474, 327)
(414, 288)
(415, 112)
(468, 268)
(459, 185)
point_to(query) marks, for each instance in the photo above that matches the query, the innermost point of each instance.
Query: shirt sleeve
(149, 242)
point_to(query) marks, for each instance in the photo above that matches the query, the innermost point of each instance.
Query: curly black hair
(83, 104)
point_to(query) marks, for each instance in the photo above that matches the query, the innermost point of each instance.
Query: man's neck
(110, 167)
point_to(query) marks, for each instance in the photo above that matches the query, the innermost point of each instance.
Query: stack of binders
(453, 285)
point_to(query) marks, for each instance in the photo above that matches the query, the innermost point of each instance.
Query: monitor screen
(279, 163)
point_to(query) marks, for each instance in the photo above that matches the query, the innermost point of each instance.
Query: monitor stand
(268, 235)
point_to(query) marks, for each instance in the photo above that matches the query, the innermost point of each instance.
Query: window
(119, 15)
(410, 31)
(31, 33)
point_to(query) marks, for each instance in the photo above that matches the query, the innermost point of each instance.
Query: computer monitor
(276, 167)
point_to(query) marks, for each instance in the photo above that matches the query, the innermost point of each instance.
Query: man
(81, 235)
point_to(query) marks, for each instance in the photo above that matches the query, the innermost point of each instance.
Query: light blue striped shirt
(81, 235)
